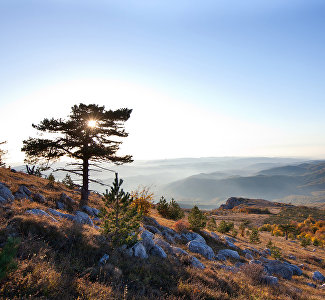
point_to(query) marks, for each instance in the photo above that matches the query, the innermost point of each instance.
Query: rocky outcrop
(147, 239)
(278, 268)
(196, 263)
(178, 251)
(318, 276)
(229, 253)
(23, 193)
(103, 260)
(39, 198)
(232, 202)
(91, 211)
(203, 249)
(138, 250)
(40, 212)
(83, 218)
(158, 251)
(191, 236)
(270, 280)
(5, 194)
(61, 215)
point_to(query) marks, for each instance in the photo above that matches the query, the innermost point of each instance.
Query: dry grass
(60, 261)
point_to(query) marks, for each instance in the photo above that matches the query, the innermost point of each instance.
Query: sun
(92, 123)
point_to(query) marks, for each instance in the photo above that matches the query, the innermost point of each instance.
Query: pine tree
(85, 136)
(211, 224)
(121, 218)
(196, 219)
(67, 181)
(2, 153)
(254, 236)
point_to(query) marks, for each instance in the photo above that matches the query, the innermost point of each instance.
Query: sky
(204, 78)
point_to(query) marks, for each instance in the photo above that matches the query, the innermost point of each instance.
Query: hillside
(63, 254)
(301, 184)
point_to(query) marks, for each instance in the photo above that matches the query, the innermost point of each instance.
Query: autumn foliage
(142, 198)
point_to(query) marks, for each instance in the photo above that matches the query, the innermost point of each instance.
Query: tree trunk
(85, 182)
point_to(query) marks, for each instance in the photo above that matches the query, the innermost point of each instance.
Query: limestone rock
(278, 268)
(147, 239)
(104, 259)
(61, 215)
(178, 251)
(158, 251)
(91, 211)
(83, 218)
(270, 280)
(39, 198)
(191, 236)
(203, 249)
(5, 194)
(163, 244)
(229, 253)
(318, 276)
(40, 212)
(152, 229)
(249, 256)
(139, 251)
(196, 263)
(23, 193)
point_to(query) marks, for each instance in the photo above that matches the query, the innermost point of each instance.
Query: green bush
(67, 181)
(225, 227)
(254, 236)
(196, 219)
(7, 255)
(211, 224)
(169, 210)
(121, 218)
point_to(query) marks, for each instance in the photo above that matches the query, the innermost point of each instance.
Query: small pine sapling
(121, 218)
(254, 236)
(196, 219)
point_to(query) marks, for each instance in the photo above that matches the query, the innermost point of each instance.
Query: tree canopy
(85, 136)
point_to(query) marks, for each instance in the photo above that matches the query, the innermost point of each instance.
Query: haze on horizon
(208, 79)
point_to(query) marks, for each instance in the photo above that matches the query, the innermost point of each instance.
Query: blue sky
(205, 78)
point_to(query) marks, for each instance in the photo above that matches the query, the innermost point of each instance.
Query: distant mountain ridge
(278, 183)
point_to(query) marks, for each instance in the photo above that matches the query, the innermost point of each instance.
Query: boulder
(191, 236)
(249, 256)
(60, 205)
(270, 280)
(163, 244)
(40, 212)
(266, 252)
(178, 251)
(231, 245)
(229, 253)
(255, 261)
(61, 215)
(278, 268)
(23, 193)
(91, 211)
(147, 239)
(151, 221)
(152, 229)
(139, 251)
(83, 218)
(313, 285)
(196, 263)
(318, 276)
(247, 251)
(215, 236)
(5, 194)
(68, 201)
(295, 270)
(104, 259)
(291, 256)
(158, 251)
(221, 257)
(169, 238)
(203, 249)
(39, 198)
(229, 239)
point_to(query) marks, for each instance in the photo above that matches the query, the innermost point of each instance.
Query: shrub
(182, 226)
(254, 236)
(142, 198)
(275, 252)
(162, 207)
(211, 224)
(169, 210)
(51, 180)
(305, 242)
(254, 272)
(7, 255)
(196, 219)
(234, 232)
(67, 181)
(121, 218)
(243, 225)
(225, 227)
